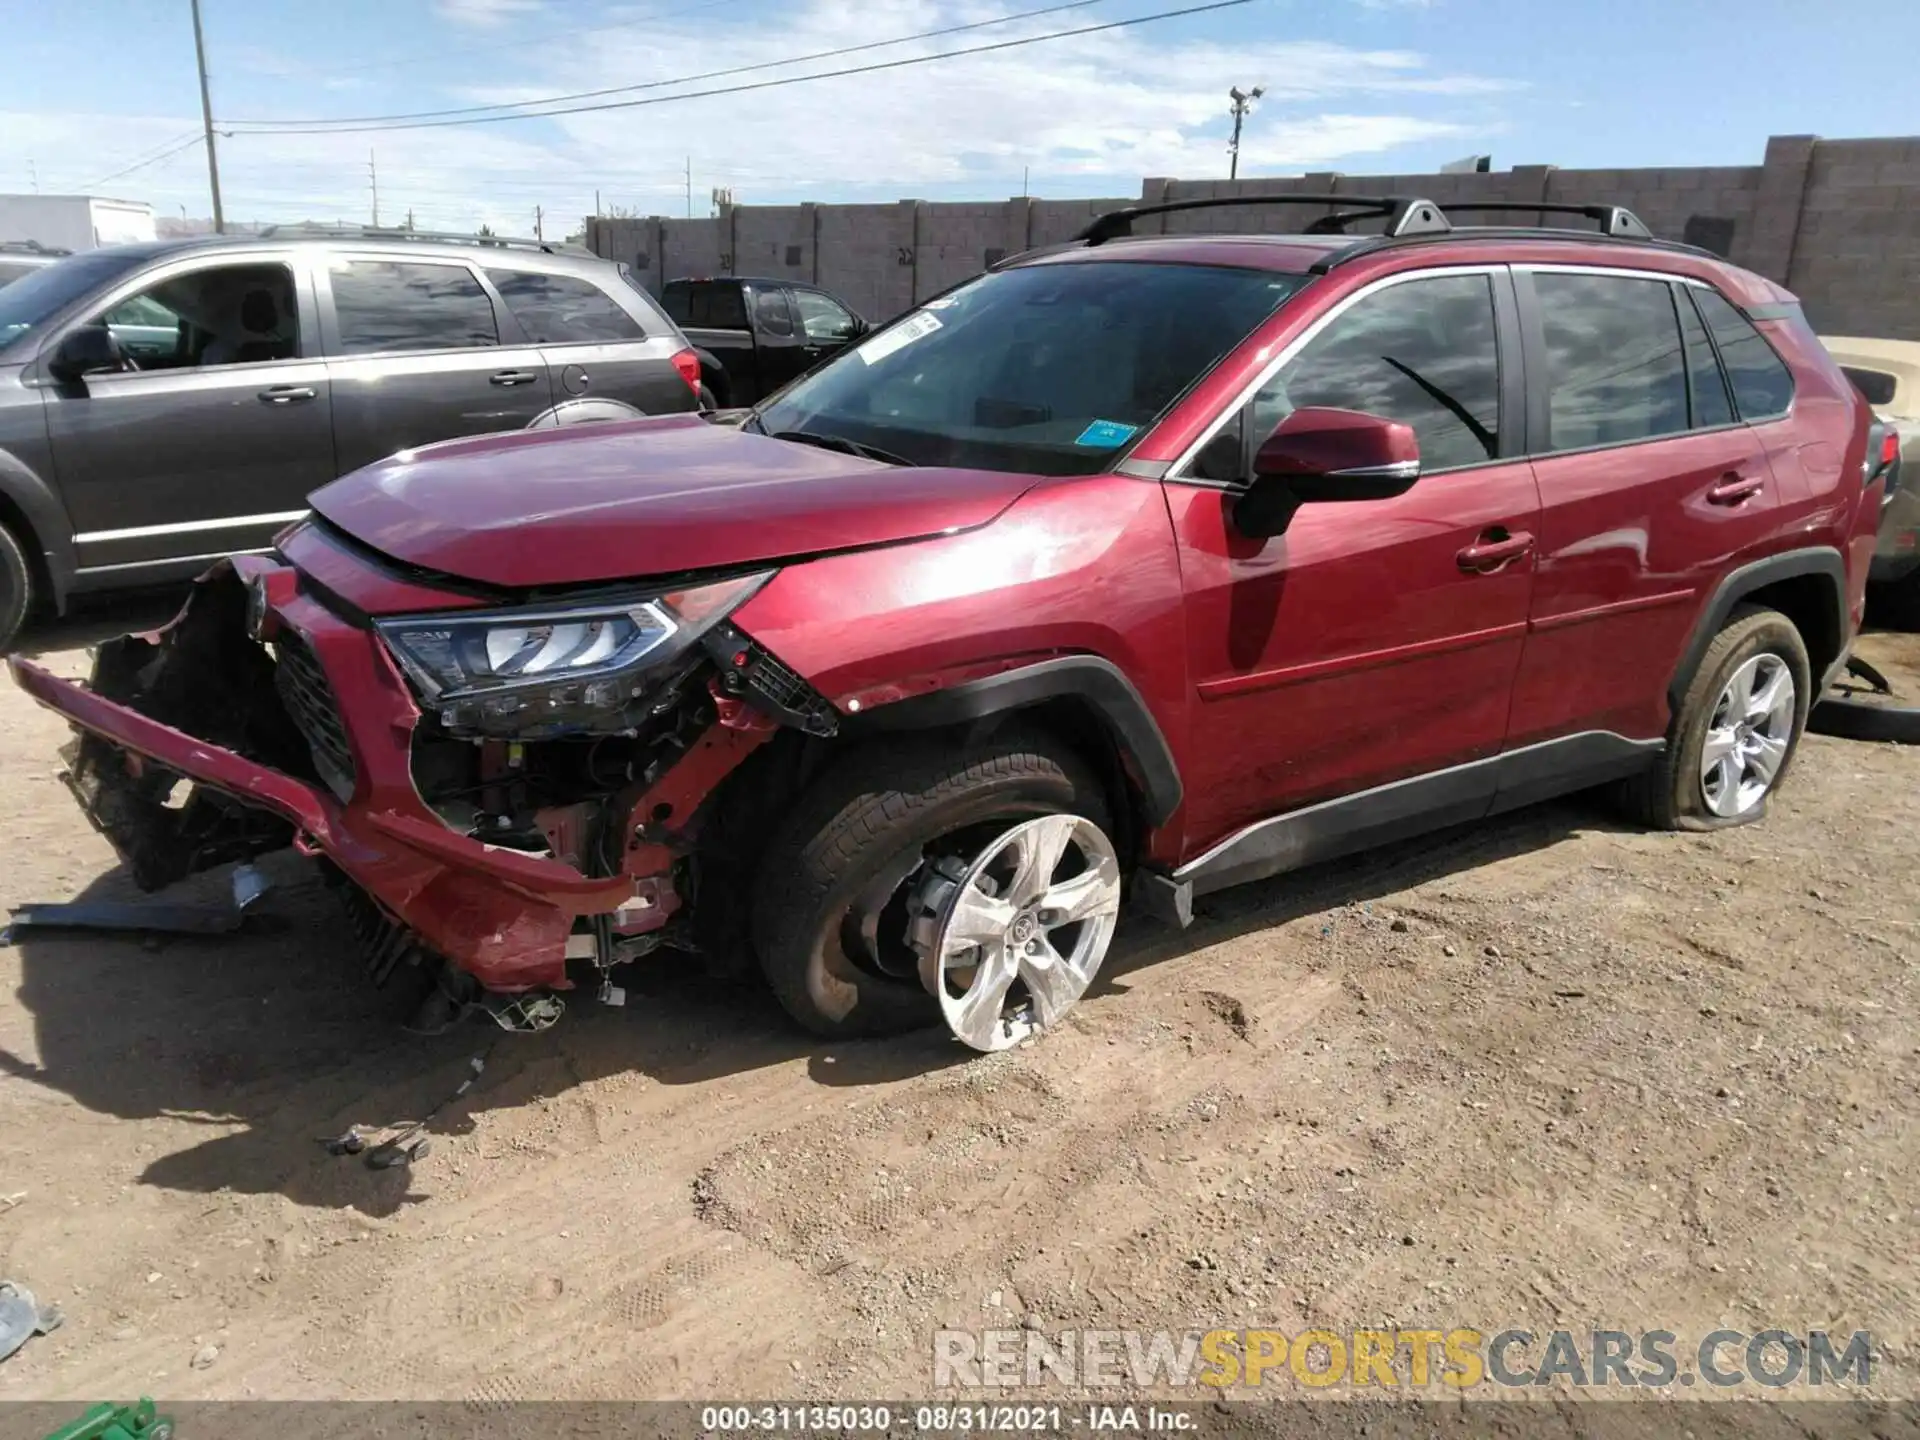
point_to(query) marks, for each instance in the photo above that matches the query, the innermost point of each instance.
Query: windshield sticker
(944, 302)
(915, 327)
(1105, 434)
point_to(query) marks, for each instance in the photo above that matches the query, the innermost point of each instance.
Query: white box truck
(74, 222)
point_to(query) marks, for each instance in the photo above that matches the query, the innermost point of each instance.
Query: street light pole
(206, 118)
(1242, 103)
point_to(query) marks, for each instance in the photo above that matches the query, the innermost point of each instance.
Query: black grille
(309, 700)
(779, 684)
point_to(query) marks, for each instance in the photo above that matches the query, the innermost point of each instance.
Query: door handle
(1493, 549)
(1732, 488)
(286, 394)
(513, 377)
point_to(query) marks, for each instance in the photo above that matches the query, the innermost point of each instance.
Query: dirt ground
(1547, 1071)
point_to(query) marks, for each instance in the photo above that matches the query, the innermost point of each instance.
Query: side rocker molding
(1396, 811)
(1736, 585)
(1100, 683)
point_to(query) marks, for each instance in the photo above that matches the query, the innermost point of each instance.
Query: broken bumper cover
(502, 915)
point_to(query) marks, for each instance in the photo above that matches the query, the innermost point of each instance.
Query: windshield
(33, 300)
(1048, 369)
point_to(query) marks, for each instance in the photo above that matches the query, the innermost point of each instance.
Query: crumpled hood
(627, 499)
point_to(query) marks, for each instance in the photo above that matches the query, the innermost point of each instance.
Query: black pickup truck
(753, 336)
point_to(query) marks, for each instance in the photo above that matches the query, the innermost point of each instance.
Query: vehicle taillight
(688, 364)
(1889, 447)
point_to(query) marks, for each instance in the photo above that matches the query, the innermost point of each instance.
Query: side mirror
(84, 351)
(1317, 455)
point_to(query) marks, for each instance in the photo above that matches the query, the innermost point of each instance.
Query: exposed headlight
(559, 670)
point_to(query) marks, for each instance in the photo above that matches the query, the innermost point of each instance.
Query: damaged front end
(506, 788)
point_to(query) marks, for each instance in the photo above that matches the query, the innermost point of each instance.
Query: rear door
(595, 343)
(417, 353)
(214, 441)
(1651, 488)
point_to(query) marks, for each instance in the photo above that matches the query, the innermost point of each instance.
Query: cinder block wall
(1836, 221)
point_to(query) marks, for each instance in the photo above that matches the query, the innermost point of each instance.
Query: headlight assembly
(553, 670)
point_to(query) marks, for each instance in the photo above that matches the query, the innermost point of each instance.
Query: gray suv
(165, 404)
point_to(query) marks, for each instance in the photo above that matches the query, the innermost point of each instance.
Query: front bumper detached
(203, 701)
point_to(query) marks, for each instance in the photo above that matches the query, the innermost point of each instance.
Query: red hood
(648, 497)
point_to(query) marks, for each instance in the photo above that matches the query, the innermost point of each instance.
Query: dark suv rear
(164, 404)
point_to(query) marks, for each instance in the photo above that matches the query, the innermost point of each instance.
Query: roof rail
(1614, 220)
(434, 237)
(1404, 214)
(31, 247)
(1372, 244)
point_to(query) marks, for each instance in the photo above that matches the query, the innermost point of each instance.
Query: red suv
(1147, 563)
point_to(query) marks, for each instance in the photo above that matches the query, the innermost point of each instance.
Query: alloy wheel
(1009, 941)
(1747, 736)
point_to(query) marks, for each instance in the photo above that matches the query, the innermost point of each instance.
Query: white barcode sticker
(914, 327)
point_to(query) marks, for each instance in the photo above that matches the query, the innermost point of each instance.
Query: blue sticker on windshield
(1105, 434)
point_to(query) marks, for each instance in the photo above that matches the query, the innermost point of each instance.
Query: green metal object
(107, 1421)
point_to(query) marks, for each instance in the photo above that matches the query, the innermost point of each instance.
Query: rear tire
(1753, 648)
(17, 595)
(707, 401)
(858, 833)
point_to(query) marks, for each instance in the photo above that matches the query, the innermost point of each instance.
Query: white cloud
(1089, 115)
(484, 14)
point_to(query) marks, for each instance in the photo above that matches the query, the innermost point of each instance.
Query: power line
(517, 105)
(191, 140)
(764, 84)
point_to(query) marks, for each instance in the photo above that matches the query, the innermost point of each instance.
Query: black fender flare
(1099, 683)
(710, 364)
(1737, 584)
(38, 505)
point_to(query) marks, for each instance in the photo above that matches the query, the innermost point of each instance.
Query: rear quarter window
(1762, 384)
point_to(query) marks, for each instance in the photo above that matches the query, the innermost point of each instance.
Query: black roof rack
(431, 237)
(1614, 220)
(1373, 244)
(31, 247)
(1404, 214)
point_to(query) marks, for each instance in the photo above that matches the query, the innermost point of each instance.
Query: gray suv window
(560, 309)
(386, 305)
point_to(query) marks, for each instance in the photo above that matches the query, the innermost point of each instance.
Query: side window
(1762, 384)
(1614, 367)
(385, 306)
(771, 311)
(562, 309)
(222, 315)
(1706, 383)
(822, 318)
(1422, 352)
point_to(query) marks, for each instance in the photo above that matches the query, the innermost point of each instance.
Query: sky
(101, 96)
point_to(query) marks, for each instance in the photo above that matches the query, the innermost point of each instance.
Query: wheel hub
(1010, 940)
(1747, 736)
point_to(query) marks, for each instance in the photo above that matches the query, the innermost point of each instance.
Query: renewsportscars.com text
(1459, 1358)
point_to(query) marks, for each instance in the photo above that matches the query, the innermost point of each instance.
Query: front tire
(16, 588)
(831, 905)
(1736, 731)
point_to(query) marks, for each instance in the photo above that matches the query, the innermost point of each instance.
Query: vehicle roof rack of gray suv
(431, 237)
(30, 247)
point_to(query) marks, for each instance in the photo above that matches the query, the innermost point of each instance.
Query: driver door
(210, 445)
(1361, 647)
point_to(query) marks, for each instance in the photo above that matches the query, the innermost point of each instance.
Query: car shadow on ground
(273, 1041)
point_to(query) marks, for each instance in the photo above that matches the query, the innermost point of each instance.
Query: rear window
(705, 305)
(563, 309)
(1762, 384)
(1876, 387)
(384, 306)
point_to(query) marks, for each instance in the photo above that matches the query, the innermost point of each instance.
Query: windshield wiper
(843, 445)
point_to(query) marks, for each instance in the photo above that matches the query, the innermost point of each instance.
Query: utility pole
(34, 176)
(409, 217)
(596, 204)
(1242, 103)
(538, 233)
(689, 187)
(206, 119)
(373, 179)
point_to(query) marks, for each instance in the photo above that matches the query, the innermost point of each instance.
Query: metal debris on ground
(160, 917)
(22, 1317)
(409, 1142)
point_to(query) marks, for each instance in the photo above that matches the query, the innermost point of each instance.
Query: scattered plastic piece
(22, 1317)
